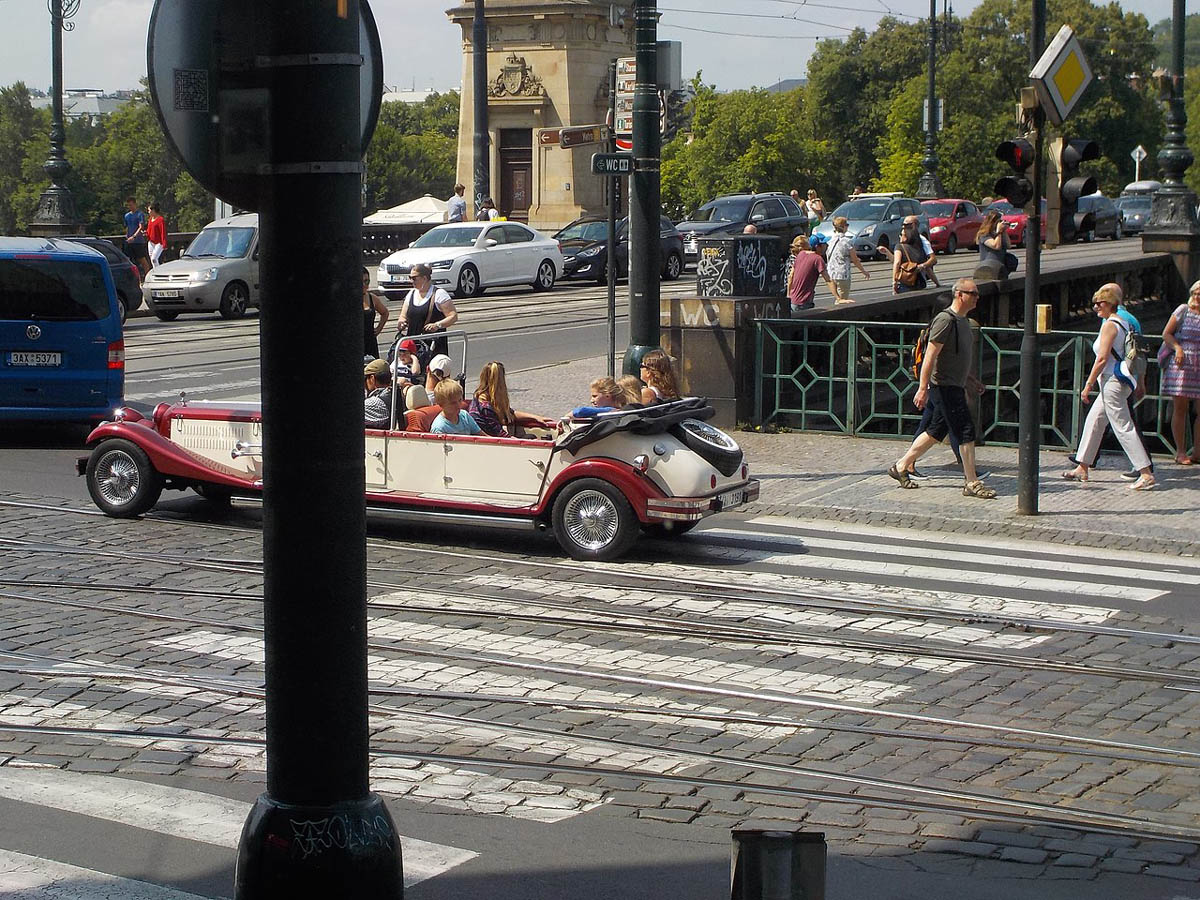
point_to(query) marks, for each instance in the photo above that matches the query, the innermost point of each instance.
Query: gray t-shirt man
(953, 364)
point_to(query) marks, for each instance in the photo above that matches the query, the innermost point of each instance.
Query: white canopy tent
(427, 210)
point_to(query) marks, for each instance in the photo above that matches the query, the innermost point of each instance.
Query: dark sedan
(1135, 213)
(124, 273)
(1107, 218)
(584, 245)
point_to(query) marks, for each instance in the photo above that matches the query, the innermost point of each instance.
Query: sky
(758, 44)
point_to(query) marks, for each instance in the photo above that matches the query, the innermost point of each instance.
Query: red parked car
(952, 223)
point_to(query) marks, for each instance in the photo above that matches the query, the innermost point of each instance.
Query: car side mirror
(491, 242)
(758, 217)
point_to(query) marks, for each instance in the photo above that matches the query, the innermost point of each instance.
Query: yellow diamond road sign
(1061, 76)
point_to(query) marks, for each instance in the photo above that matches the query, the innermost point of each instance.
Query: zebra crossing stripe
(24, 877)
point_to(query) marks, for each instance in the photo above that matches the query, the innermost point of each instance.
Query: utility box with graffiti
(747, 265)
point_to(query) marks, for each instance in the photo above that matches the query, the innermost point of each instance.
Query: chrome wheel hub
(117, 477)
(591, 520)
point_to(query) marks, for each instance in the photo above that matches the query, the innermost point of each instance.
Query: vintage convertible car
(599, 484)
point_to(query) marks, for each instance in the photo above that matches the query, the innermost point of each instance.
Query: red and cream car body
(599, 484)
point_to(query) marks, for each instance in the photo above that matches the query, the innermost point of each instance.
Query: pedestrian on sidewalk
(456, 206)
(156, 235)
(1116, 382)
(807, 266)
(911, 263)
(135, 237)
(1180, 364)
(942, 385)
(839, 254)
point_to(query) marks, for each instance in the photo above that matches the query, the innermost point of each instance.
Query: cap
(817, 240)
(441, 363)
(409, 345)
(375, 367)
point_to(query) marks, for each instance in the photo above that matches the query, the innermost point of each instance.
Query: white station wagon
(597, 486)
(469, 257)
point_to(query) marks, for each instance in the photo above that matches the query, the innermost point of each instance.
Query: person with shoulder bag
(911, 262)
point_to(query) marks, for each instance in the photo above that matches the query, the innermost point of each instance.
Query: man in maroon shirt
(807, 265)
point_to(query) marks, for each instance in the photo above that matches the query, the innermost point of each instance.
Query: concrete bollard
(777, 865)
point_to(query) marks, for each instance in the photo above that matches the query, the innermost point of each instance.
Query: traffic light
(1064, 222)
(1016, 189)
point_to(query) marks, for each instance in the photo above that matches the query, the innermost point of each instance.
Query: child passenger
(607, 395)
(453, 419)
(659, 377)
(632, 386)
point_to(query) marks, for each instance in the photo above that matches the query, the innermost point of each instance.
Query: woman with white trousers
(1116, 384)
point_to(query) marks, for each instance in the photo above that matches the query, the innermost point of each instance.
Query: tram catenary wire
(481, 660)
(711, 629)
(1098, 823)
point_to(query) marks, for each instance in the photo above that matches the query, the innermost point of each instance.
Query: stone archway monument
(547, 70)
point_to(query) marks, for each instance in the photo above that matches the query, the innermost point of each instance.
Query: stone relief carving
(516, 79)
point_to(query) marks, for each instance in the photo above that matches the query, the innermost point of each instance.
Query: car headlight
(205, 275)
(590, 251)
(937, 229)
(866, 232)
(441, 264)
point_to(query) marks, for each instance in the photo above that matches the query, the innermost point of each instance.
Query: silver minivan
(218, 271)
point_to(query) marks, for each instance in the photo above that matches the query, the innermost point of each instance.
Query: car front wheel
(673, 268)
(234, 300)
(546, 274)
(167, 315)
(122, 480)
(468, 281)
(593, 521)
(952, 244)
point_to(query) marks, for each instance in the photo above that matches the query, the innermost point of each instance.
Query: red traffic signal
(1018, 153)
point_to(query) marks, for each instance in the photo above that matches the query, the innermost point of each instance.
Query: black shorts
(137, 251)
(948, 414)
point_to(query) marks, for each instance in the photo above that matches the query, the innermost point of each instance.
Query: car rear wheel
(1118, 232)
(167, 315)
(468, 282)
(952, 244)
(593, 521)
(122, 480)
(673, 268)
(546, 274)
(123, 305)
(234, 300)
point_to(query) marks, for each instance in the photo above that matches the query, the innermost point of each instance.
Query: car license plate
(731, 498)
(30, 358)
(166, 294)
(690, 246)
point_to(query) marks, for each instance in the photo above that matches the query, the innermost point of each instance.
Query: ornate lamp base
(55, 216)
(930, 187)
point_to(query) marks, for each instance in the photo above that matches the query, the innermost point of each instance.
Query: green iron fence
(855, 378)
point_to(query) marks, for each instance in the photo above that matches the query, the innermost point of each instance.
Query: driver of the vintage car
(377, 387)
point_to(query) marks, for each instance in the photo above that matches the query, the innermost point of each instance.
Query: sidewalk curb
(951, 526)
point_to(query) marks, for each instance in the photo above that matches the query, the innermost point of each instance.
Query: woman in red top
(156, 234)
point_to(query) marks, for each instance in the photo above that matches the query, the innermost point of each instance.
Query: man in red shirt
(807, 265)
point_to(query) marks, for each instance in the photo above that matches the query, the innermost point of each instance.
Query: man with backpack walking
(941, 392)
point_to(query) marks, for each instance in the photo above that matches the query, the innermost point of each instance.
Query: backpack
(1133, 354)
(916, 355)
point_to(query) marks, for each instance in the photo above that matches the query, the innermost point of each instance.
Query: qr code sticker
(191, 89)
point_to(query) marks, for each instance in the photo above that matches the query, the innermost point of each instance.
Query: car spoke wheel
(674, 267)
(711, 444)
(952, 244)
(234, 300)
(546, 274)
(121, 479)
(468, 281)
(593, 520)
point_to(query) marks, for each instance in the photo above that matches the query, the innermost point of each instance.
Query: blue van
(62, 355)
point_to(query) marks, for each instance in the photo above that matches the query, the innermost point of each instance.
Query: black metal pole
(614, 198)
(1029, 419)
(645, 202)
(317, 831)
(929, 187)
(56, 206)
(482, 173)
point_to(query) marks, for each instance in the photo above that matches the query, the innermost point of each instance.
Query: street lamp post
(482, 172)
(929, 187)
(56, 207)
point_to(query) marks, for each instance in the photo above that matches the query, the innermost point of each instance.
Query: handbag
(1011, 262)
(910, 272)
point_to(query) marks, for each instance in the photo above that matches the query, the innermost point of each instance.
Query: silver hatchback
(218, 271)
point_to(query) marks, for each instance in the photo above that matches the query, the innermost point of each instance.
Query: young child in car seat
(406, 367)
(453, 419)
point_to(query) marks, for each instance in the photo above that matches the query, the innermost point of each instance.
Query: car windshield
(939, 210)
(584, 231)
(448, 237)
(870, 208)
(222, 243)
(54, 289)
(732, 209)
(1135, 204)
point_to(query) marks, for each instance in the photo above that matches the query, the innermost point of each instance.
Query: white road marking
(180, 813)
(1077, 566)
(24, 877)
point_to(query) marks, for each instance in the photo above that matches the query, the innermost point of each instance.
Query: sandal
(902, 477)
(1145, 483)
(980, 490)
(1075, 476)
(1184, 460)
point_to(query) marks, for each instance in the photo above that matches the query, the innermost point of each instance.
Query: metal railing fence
(855, 378)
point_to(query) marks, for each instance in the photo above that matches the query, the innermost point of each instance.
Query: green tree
(414, 151)
(17, 122)
(1191, 42)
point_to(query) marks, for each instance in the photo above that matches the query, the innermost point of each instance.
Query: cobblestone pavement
(627, 691)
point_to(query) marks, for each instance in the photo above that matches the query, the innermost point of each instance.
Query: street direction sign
(582, 134)
(213, 96)
(1138, 153)
(549, 137)
(612, 164)
(1061, 75)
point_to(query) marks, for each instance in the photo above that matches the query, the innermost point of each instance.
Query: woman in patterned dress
(1181, 374)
